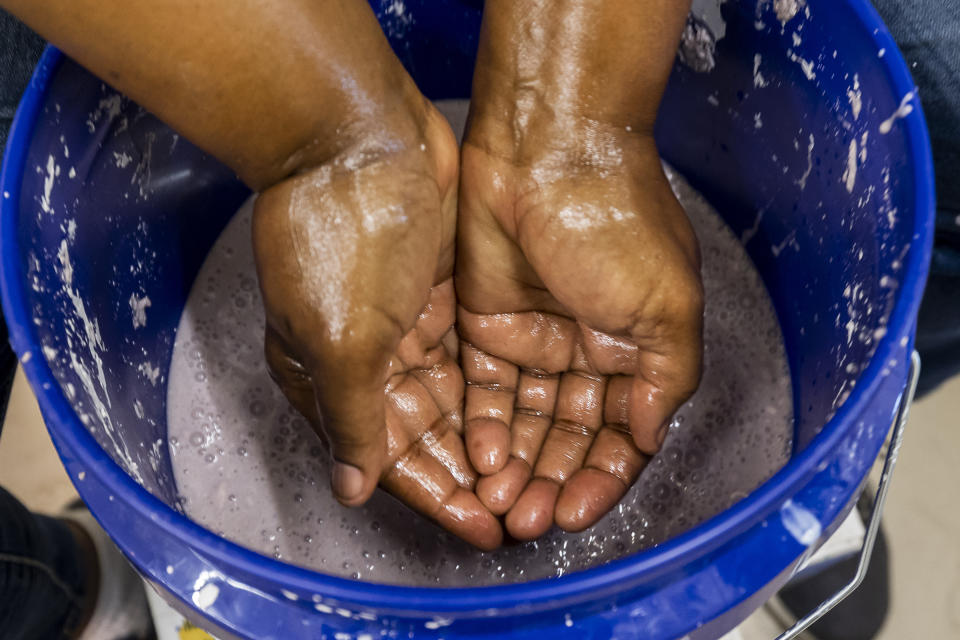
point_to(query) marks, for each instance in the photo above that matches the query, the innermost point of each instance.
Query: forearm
(548, 69)
(268, 87)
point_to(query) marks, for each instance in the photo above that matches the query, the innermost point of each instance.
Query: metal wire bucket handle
(874, 524)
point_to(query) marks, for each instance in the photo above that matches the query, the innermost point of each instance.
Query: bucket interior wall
(116, 207)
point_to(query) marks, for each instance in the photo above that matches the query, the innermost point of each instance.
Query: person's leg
(45, 584)
(20, 48)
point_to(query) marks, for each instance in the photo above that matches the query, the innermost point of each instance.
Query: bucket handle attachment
(893, 452)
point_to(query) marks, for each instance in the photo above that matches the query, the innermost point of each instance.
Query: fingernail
(662, 433)
(347, 481)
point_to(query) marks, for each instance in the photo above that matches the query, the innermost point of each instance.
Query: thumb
(669, 369)
(349, 387)
(353, 422)
(345, 409)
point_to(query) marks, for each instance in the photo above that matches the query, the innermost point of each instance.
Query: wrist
(397, 122)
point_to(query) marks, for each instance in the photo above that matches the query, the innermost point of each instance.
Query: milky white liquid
(249, 467)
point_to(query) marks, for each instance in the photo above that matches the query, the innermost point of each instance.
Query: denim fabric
(20, 49)
(41, 580)
(928, 33)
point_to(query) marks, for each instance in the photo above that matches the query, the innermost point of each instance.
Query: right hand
(581, 316)
(355, 260)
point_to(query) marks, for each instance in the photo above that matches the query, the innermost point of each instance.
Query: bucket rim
(644, 565)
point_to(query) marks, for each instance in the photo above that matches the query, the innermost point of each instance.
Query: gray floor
(922, 521)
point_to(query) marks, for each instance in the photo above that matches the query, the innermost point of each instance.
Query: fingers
(578, 417)
(292, 378)
(668, 373)
(532, 515)
(499, 492)
(534, 340)
(536, 397)
(353, 428)
(444, 383)
(610, 469)
(413, 418)
(490, 396)
(353, 420)
(421, 482)
(429, 470)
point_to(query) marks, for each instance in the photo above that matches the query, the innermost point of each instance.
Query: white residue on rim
(850, 173)
(438, 623)
(138, 307)
(855, 97)
(205, 596)
(902, 111)
(800, 523)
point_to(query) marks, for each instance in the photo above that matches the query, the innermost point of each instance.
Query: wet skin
(577, 272)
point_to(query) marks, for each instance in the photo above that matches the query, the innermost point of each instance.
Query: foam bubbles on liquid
(246, 464)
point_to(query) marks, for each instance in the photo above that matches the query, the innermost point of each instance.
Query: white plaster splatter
(138, 306)
(150, 372)
(805, 65)
(206, 596)
(800, 523)
(437, 623)
(48, 179)
(758, 80)
(122, 159)
(850, 173)
(786, 10)
(855, 97)
(109, 107)
(802, 181)
(902, 111)
(88, 335)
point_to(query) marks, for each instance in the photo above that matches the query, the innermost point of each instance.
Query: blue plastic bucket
(845, 269)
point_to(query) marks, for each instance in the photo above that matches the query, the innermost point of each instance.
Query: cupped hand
(580, 319)
(355, 259)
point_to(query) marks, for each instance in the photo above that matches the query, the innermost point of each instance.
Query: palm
(569, 331)
(355, 267)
